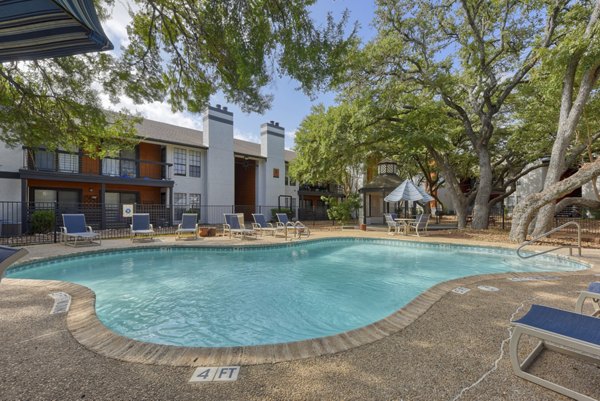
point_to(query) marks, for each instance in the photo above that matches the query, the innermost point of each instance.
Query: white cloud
(158, 111)
(115, 26)
(290, 139)
(246, 136)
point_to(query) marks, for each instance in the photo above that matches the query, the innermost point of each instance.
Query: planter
(207, 231)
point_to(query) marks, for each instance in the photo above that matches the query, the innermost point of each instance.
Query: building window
(288, 179)
(194, 201)
(179, 161)
(194, 164)
(275, 173)
(180, 204)
(180, 199)
(45, 160)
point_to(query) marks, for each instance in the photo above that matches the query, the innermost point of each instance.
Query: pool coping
(89, 331)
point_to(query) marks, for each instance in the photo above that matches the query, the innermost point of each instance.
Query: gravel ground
(444, 351)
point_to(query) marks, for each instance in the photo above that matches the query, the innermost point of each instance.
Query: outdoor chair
(562, 331)
(593, 293)
(420, 224)
(297, 227)
(393, 225)
(75, 232)
(140, 226)
(260, 224)
(188, 225)
(232, 226)
(8, 256)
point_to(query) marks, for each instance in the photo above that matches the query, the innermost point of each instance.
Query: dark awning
(37, 29)
(382, 182)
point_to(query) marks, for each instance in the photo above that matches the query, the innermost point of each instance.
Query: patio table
(405, 222)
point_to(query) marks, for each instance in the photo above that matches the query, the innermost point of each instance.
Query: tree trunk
(527, 209)
(481, 208)
(457, 197)
(571, 109)
(591, 203)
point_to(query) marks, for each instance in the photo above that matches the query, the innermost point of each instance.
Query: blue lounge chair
(593, 293)
(562, 331)
(232, 226)
(74, 231)
(188, 225)
(8, 256)
(140, 226)
(260, 224)
(296, 227)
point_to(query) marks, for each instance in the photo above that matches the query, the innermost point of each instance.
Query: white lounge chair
(393, 225)
(260, 224)
(188, 225)
(592, 293)
(232, 226)
(140, 226)
(562, 331)
(420, 224)
(75, 232)
(296, 227)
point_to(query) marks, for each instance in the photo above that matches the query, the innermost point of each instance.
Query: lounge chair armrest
(226, 226)
(256, 226)
(280, 225)
(63, 230)
(131, 227)
(583, 296)
(179, 226)
(151, 227)
(89, 228)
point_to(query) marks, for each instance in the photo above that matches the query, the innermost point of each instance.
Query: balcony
(71, 166)
(321, 189)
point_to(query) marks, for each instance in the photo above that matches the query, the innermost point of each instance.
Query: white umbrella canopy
(407, 191)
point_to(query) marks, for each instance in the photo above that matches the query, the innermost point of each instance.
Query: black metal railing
(27, 223)
(60, 161)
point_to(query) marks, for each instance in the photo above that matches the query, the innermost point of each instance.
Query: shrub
(341, 210)
(42, 221)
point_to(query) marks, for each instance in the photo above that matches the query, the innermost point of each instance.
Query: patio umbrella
(407, 191)
(37, 29)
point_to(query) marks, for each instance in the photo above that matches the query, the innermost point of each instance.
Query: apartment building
(175, 167)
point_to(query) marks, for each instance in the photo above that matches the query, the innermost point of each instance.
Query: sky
(289, 105)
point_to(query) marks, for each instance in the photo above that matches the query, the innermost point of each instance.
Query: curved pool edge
(90, 332)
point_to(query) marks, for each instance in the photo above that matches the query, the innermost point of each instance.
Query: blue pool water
(242, 296)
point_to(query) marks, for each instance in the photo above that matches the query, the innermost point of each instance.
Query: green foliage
(179, 51)
(42, 221)
(52, 103)
(342, 210)
(187, 51)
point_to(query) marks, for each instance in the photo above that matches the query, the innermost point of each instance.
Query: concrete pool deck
(444, 348)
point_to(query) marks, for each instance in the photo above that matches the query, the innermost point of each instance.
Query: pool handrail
(569, 223)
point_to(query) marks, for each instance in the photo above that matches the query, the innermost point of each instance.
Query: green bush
(42, 221)
(341, 210)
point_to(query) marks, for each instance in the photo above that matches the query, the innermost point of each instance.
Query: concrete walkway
(437, 357)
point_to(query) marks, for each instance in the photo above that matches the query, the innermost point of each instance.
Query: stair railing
(570, 223)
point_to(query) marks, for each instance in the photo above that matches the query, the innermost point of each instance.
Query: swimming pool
(221, 297)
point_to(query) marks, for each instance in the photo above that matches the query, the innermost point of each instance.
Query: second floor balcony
(76, 163)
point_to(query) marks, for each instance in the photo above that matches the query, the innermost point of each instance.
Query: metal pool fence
(27, 223)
